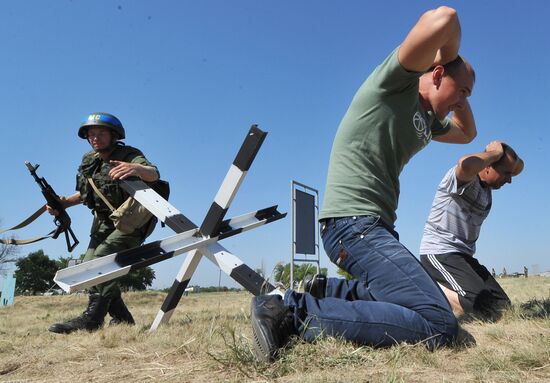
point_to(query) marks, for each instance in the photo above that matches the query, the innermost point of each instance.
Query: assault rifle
(62, 220)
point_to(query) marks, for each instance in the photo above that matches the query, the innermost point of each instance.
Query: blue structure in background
(8, 289)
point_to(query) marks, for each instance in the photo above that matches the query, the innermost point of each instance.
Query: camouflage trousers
(105, 240)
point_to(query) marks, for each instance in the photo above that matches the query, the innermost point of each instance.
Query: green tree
(62, 262)
(137, 280)
(34, 273)
(302, 272)
(344, 274)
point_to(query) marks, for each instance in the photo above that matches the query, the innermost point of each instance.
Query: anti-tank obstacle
(190, 238)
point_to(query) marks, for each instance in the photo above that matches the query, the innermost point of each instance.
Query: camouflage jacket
(92, 166)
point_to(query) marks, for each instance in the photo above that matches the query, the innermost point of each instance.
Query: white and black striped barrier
(96, 271)
(200, 242)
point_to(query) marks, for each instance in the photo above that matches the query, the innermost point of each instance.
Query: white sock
(276, 292)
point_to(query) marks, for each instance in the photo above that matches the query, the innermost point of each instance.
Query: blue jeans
(393, 300)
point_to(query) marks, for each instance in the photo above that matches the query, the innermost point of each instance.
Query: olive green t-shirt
(384, 126)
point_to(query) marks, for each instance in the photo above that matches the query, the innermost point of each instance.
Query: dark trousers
(478, 292)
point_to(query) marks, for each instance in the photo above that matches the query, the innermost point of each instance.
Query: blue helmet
(101, 119)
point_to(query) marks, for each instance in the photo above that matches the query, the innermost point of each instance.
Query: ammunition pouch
(130, 216)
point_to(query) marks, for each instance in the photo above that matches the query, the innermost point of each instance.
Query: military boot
(120, 313)
(91, 319)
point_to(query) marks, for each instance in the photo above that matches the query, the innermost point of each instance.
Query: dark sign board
(305, 223)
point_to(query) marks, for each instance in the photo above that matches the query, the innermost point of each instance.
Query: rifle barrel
(30, 167)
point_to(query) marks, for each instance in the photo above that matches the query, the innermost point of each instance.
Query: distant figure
(504, 273)
(493, 272)
(525, 271)
(462, 202)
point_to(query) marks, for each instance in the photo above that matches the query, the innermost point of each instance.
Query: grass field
(209, 340)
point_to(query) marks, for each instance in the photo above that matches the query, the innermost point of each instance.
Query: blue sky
(188, 78)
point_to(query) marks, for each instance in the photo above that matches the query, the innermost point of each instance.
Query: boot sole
(262, 350)
(63, 331)
(66, 330)
(111, 323)
(59, 331)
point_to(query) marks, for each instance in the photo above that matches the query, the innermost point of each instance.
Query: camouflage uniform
(104, 238)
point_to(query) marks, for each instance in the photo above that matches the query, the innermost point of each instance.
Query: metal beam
(112, 266)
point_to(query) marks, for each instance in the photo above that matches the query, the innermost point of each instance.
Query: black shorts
(478, 292)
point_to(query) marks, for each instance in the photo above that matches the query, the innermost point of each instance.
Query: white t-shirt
(456, 217)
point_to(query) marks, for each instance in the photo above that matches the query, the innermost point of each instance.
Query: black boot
(91, 319)
(120, 313)
(317, 286)
(272, 325)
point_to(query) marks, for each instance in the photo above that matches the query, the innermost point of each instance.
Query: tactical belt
(13, 241)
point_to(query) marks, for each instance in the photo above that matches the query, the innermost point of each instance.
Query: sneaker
(280, 289)
(317, 286)
(272, 325)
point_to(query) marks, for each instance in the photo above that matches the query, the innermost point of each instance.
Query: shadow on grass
(532, 309)
(535, 308)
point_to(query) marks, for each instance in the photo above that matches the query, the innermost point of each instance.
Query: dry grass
(208, 340)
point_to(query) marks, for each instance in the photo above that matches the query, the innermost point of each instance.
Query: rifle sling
(12, 241)
(100, 194)
(27, 221)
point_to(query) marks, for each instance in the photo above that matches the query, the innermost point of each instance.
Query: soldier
(109, 161)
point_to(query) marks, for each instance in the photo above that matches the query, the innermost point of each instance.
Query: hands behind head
(501, 147)
(495, 146)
